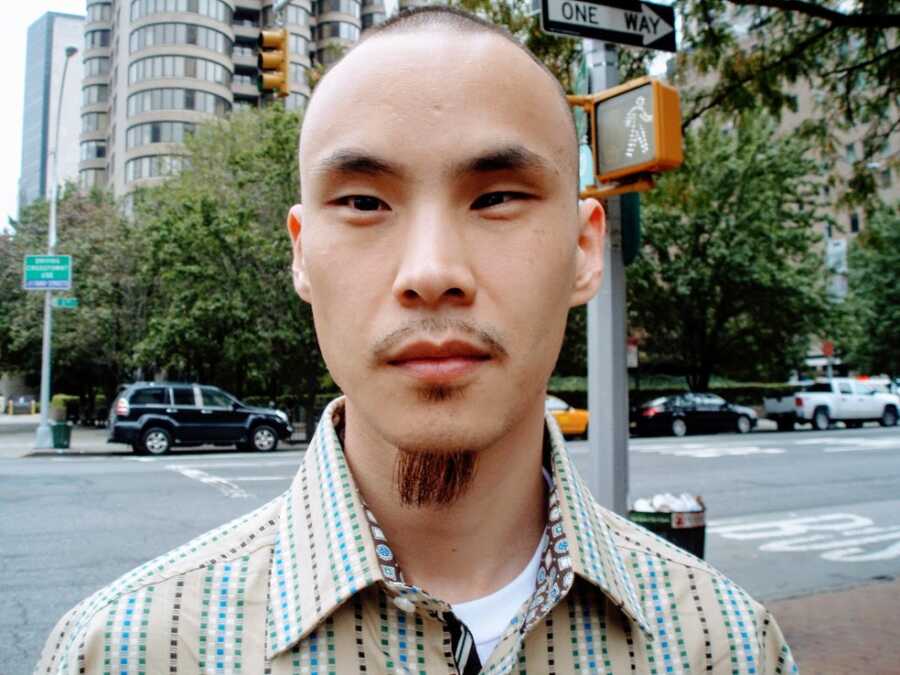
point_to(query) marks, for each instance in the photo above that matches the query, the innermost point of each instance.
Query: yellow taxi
(571, 421)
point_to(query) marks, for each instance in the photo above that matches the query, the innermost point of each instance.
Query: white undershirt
(489, 616)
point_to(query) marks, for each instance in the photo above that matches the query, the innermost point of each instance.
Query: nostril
(455, 292)
(410, 294)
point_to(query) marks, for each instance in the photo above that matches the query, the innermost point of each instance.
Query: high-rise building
(153, 69)
(45, 57)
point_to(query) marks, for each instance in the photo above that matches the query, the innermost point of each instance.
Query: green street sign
(65, 303)
(48, 273)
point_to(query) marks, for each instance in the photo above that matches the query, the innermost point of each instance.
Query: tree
(730, 278)
(92, 346)
(223, 309)
(873, 303)
(755, 51)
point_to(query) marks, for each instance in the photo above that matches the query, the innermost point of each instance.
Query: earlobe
(589, 258)
(298, 265)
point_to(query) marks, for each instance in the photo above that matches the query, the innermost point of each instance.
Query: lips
(439, 362)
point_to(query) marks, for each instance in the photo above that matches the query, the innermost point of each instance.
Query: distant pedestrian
(437, 523)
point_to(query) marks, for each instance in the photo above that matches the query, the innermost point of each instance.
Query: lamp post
(43, 437)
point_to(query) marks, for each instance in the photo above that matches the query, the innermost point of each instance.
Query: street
(789, 514)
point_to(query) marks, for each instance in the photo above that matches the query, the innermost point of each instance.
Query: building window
(851, 153)
(296, 16)
(884, 178)
(157, 132)
(829, 231)
(179, 34)
(89, 178)
(154, 166)
(100, 11)
(337, 29)
(854, 222)
(93, 121)
(177, 99)
(96, 66)
(297, 44)
(93, 150)
(350, 7)
(373, 19)
(163, 67)
(94, 93)
(96, 38)
(214, 9)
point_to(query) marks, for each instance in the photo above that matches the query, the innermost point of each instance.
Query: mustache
(486, 338)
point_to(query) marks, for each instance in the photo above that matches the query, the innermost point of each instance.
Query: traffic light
(273, 62)
(635, 133)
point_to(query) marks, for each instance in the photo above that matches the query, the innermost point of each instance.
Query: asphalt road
(790, 514)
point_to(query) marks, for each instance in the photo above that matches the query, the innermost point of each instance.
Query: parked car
(154, 416)
(840, 399)
(693, 413)
(572, 421)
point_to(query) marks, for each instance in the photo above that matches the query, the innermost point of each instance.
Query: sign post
(601, 23)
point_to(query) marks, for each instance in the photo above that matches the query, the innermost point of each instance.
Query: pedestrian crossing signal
(636, 132)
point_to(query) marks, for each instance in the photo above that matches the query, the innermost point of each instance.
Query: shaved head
(437, 17)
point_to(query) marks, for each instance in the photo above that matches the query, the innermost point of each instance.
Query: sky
(17, 16)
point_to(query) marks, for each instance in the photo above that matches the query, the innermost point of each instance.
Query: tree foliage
(217, 262)
(756, 52)
(872, 341)
(92, 346)
(730, 277)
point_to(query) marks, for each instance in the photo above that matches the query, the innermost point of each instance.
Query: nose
(434, 269)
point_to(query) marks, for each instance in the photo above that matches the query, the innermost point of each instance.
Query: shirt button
(404, 604)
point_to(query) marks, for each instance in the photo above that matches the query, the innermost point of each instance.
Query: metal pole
(43, 437)
(607, 357)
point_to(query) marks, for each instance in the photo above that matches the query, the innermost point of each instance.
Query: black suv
(154, 416)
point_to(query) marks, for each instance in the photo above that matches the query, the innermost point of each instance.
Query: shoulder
(77, 635)
(674, 585)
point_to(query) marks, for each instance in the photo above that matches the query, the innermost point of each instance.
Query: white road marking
(226, 487)
(837, 537)
(231, 465)
(698, 451)
(242, 479)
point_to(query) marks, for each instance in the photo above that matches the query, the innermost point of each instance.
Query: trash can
(684, 528)
(62, 435)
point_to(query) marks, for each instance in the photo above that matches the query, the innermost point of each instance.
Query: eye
(363, 203)
(490, 199)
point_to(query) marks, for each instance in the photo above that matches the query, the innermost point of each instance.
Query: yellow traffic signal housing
(635, 130)
(273, 62)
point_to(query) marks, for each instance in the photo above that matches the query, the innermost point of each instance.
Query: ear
(298, 266)
(589, 258)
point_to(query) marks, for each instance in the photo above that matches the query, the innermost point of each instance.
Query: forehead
(435, 92)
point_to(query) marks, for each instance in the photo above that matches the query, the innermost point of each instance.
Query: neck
(481, 541)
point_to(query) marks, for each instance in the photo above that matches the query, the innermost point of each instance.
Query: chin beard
(426, 478)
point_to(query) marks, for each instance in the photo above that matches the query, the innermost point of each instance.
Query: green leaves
(729, 280)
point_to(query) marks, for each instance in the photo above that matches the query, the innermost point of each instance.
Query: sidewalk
(850, 631)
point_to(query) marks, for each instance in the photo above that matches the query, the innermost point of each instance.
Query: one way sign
(627, 22)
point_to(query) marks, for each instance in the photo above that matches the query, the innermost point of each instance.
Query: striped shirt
(308, 584)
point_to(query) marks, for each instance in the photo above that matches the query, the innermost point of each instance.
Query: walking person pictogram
(637, 134)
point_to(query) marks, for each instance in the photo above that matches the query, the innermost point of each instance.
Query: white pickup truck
(840, 399)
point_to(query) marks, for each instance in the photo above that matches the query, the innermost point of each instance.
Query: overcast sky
(17, 16)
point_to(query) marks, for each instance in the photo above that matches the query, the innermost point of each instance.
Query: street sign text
(47, 273)
(626, 22)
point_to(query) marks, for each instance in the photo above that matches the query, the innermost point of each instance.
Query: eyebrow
(354, 162)
(506, 158)
(350, 162)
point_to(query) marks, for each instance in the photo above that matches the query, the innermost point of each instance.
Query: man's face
(440, 241)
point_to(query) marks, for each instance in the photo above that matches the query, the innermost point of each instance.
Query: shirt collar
(324, 552)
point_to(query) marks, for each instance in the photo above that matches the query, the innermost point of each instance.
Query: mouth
(439, 363)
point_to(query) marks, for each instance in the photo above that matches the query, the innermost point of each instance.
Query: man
(436, 524)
